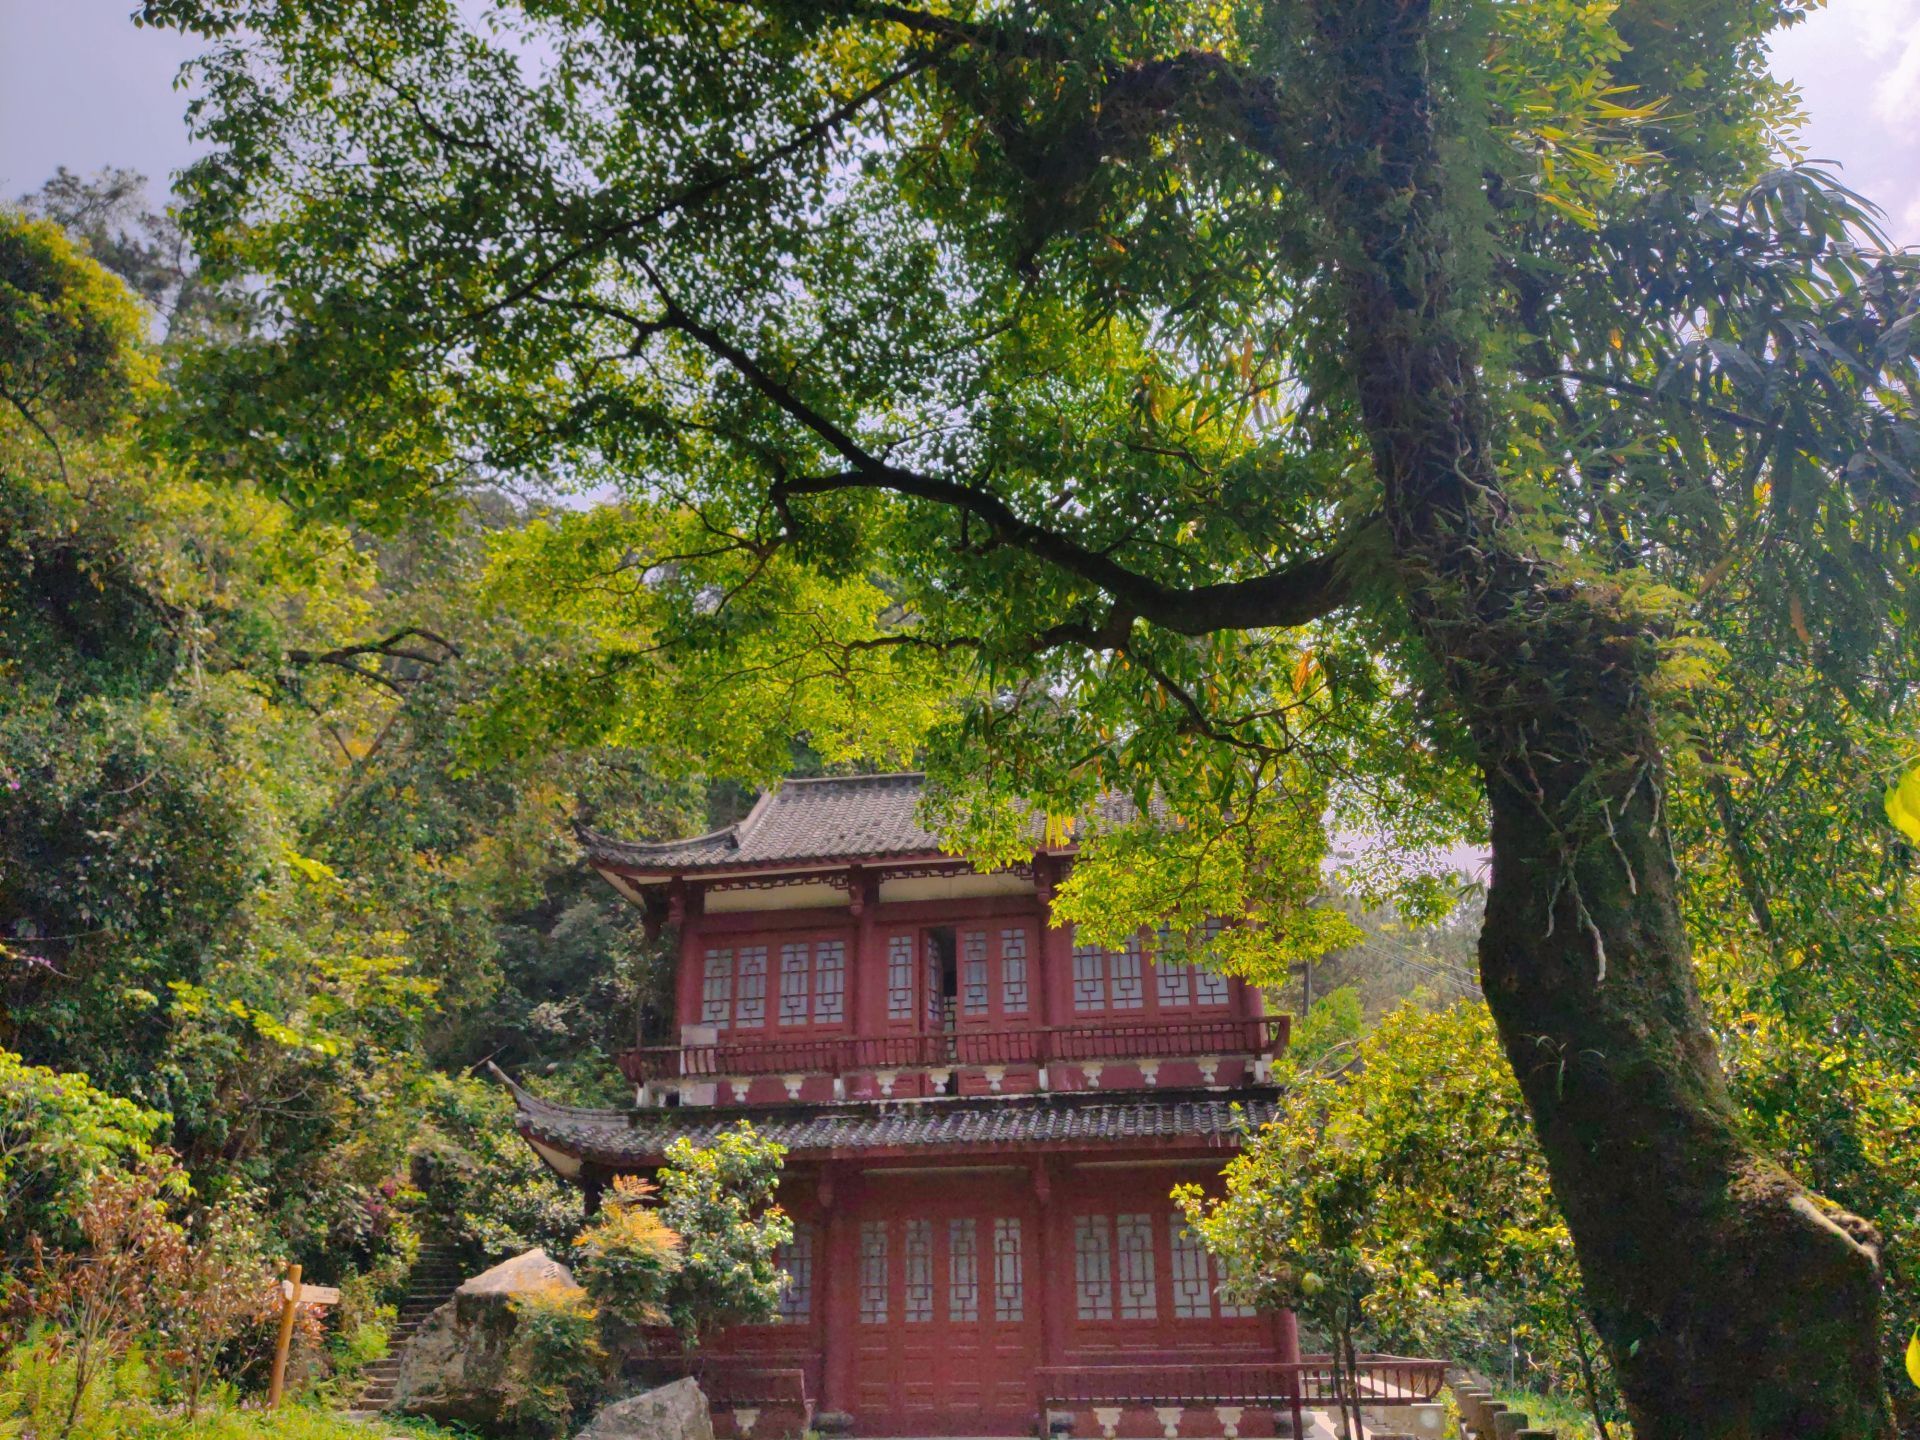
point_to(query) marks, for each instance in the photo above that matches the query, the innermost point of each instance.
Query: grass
(1565, 1415)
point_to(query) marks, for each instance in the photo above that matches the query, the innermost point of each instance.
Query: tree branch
(1303, 592)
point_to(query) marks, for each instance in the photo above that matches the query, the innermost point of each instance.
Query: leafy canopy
(995, 354)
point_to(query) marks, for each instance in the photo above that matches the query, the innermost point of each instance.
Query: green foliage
(57, 1132)
(128, 1405)
(718, 1198)
(557, 1364)
(1404, 1198)
(1326, 1033)
(628, 1258)
(70, 351)
(245, 877)
(487, 1191)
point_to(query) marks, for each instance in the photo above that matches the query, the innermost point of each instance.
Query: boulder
(454, 1368)
(672, 1412)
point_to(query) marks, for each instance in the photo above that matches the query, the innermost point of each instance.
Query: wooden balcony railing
(838, 1055)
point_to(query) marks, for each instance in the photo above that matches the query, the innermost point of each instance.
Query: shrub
(210, 1289)
(719, 1199)
(480, 1187)
(57, 1131)
(628, 1257)
(95, 1305)
(557, 1365)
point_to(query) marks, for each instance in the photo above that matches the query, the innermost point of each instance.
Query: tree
(1264, 410)
(1405, 1199)
(718, 1198)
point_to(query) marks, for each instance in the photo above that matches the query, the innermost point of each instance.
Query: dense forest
(1527, 464)
(252, 880)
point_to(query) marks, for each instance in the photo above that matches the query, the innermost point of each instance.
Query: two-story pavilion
(983, 1119)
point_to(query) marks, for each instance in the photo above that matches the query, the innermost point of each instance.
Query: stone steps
(430, 1284)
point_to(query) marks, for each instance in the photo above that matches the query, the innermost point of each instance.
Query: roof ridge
(587, 832)
(871, 775)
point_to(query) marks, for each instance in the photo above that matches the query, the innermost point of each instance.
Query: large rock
(454, 1369)
(673, 1412)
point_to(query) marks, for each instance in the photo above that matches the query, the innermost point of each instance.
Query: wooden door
(947, 1334)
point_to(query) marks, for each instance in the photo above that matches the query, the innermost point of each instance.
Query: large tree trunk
(1732, 1303)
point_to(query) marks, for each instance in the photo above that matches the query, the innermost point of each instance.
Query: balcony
(942, 1053)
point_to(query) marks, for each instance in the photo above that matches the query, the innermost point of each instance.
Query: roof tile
(640, 1137)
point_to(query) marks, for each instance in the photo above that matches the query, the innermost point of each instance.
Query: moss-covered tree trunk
(1732, 1302)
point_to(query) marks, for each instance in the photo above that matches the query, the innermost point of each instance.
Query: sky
(81, 86)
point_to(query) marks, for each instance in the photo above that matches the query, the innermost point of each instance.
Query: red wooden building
(983, 1118)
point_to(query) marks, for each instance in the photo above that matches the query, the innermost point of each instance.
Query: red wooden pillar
(1043, 1262)
(866, 974)
(1286, 1332)
(1053, 993)
(836, 1295)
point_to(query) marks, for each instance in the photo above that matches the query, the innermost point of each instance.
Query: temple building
(983, 1119)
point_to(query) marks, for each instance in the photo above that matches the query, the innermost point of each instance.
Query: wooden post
(289, 1302)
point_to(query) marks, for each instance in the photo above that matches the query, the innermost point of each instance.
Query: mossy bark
(1732, 1303)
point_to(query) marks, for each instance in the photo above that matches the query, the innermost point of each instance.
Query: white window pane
(750, 999)
(1089, 979)
(1013, 972)
(873, 1272)
(973, 972)
(963, 1271)
(830, 982)
(1135, 1288)
(918, 1303)
(900, 977)
(716, 989)
(1093, 1267)
(1009, 1282)
(795, 963)
(1123, 977)
(1192, 1279)
(796, 1258)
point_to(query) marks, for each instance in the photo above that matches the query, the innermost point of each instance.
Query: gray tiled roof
(640, 1137)
(835, 818)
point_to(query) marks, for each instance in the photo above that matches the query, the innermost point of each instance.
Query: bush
(480, 1187)
(557, 1366)
(57, 1131)
(628, 1257)
(719, 1199)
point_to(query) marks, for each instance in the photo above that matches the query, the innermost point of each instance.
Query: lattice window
(973, 972)
(794, 961)
(873, 1272)
(1013, 972)
(1009, 1283)
(963, 1270)
(750, 997)
(1089, 979)
(716, 989)
(1134, 1234)
(830, 982)
(939, 1006)
(1173, 982)
(900, 977)
(1093, 1267)
(1209, 986)
(1229, 1309)
(918, 1254)
(1192, 1277)
(1123, 977)
(796, 1258)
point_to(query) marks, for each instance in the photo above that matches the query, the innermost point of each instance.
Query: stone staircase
(436, 1273)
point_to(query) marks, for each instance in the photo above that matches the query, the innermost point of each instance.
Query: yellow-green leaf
(1913, 1358)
